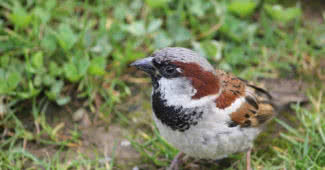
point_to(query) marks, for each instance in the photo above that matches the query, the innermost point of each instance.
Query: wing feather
(257, 108)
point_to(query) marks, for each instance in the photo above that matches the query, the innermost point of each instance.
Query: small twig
(320, 74)
(38, 131)
(5, 132)
(25, 144)
(211, 30)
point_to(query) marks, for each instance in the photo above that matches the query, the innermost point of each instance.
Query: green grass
(60, 55)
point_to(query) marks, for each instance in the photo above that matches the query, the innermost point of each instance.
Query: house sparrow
(203, 112)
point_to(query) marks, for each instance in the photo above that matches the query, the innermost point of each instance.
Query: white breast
(211, 138)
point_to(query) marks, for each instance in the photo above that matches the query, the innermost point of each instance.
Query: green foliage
(76, 68)
(242, 8)
(278, 13)
(9, 81)
(97, 66)
(236, 29)
(154, 147)
(19, 16)
(157, 3)
(56, 45)
(307, 144)
(66, 37)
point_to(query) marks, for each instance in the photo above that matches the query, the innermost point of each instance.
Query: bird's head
(181, 76)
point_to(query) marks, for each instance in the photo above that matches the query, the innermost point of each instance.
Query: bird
(204, 112)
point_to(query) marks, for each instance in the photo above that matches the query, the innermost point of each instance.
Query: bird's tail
(281, 93)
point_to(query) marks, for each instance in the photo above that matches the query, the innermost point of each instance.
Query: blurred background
(68, 99)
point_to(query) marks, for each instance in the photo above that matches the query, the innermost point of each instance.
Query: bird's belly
(209, 140)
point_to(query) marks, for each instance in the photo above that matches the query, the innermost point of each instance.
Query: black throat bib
(175, 117)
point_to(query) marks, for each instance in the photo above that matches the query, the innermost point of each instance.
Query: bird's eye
(170, 70)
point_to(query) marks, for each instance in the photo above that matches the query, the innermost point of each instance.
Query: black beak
(145, 65)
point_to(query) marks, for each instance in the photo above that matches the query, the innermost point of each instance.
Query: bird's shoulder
(256, 106)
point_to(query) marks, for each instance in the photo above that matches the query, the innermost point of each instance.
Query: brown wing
(257, 108)
(232, 88)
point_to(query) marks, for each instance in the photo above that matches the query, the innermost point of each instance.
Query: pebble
(79, 114)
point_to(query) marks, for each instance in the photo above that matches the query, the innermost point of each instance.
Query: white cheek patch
(179, 92)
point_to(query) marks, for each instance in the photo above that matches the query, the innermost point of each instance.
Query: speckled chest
(176, 118)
